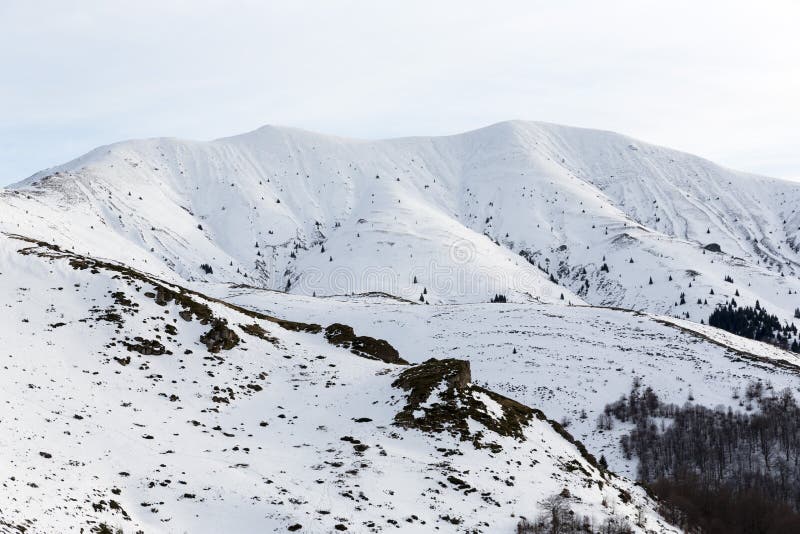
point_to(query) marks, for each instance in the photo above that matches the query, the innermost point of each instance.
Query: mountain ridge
(151, 407)
(514, 194)
(259, 331)
(287, 129)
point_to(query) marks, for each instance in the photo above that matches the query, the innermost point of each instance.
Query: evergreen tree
(751, 322)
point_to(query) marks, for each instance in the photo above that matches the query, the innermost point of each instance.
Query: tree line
(754, 323)
(716, 470)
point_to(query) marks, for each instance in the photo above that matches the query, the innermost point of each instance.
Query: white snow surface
(405, 240)
(453, 212)
(94, 433)
(568, 360)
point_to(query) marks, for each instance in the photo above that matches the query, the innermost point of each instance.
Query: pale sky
(720, 79)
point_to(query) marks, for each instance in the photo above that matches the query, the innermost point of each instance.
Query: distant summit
(528, 210)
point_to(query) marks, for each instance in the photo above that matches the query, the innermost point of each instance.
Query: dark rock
(457, 403)
(163, 296)
(343, 335)
(220, 337)
(146, 347)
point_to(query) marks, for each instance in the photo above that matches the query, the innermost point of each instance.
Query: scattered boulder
(146, 347)
(163, 296)
(343, 335)
(458, 401)
(220, 337)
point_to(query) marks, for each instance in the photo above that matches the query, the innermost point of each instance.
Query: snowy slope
(135, 400)
(136, 404)
(460, 214)
(570, 361)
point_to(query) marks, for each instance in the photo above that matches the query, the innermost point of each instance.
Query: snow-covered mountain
(137, 404)
(466, 216)
(133, 403)
(230, 336)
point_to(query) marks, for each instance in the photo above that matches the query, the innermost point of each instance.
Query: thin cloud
(716, 78)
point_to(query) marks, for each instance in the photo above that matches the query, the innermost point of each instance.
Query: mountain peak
(533, 207)
(227, 301)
